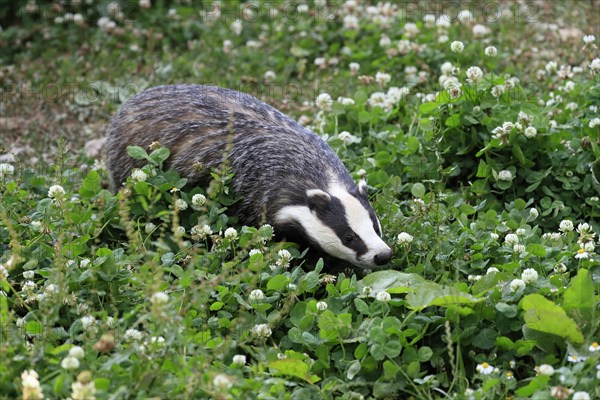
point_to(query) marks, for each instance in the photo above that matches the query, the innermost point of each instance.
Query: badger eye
(349, 239)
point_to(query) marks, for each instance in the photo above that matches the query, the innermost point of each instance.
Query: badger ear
(317, 199)
(362, 187)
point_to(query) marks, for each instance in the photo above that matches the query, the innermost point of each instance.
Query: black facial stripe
(364, 200)
(375, 223)
(335, 218)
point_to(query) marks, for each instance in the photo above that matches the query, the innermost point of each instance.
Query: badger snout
(383, 257)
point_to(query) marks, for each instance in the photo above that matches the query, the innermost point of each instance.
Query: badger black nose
(383, 257)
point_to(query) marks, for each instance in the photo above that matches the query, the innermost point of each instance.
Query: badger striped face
(341, 224)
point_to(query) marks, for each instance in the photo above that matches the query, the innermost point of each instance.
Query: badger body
(285, 174)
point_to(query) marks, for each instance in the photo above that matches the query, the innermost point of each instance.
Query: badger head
(341, 223)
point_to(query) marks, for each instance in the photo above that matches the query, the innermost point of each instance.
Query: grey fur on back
(274, 158)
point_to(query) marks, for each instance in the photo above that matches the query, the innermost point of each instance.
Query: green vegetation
(482, 159)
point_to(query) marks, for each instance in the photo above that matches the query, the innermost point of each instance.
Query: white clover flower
(181, 204)
(284, 258)
(520, 232)
(69, 362)
(88, 322)
(354, 68)
(222, 381)
(236, 27)
(595, 65)
(321, 306)
(84, 263)
(351, 22)
(383, 297)
(302, 8)
(6, 170)
(494, 236)
(254, 252)
(533, 213)
(404, 46)
(580, 396)
(35, 225)
(180, 231)
(51, 289)
(465, 16)
(560, 268)
(443, 22)
(227, 46)
(133, 335)
(519, 248)
(530, 132)
(261, 330)
(474, 74)
(346, 137)
(529, 275)
(77, 352)
(505, 175)
(385, 41)
(269, 76)
(138, 175)
(457, 46)
(157, 340)
(411, 30)
(382, 78)
(491, 51)
(291, 286)
(594, 122)
(29, 286)
(239, 359)
(587, 39)
(589, 247)
(377, 99)
(485, 368)
(149, 227)
(159, 298)
(492, 270)
(497, 91)
(404, 238)
(231, 233)
(324, 102)
(545, 369)
(453, 87)
(395, 94)
(429, 20)
(552, 236)
(480, 30)
(474, 278)
(31, 385)
(26, 274)
(256, 295)
(565, 226)
(446, 68)
(198, 200)
(346, 101)
(56, 192)
(517, 284)
(201, 230)
(572, 106)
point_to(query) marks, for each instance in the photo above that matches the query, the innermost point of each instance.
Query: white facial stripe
(359, 220)
(317, 231)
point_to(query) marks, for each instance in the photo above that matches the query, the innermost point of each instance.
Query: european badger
(285, 174)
